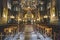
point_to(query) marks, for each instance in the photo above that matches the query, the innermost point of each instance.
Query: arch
(29, 15)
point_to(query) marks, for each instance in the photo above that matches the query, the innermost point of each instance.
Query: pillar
(5, 12)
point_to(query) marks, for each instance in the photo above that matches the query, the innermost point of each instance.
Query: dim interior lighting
(33, 1)
(48, 29)
(4, 9)
(32, 16)
(23, 20)
(4, 12)
(45, 16)
(53, 15)
(9, 30)
(34, 20)
(25, 15)
(12, 16)
(19, 19)
(41, 3)
(28, 7)
(38, 19)
(24, 2)
(4, 15)
(53, 8)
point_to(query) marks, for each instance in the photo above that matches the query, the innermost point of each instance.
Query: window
(15, 8)
(9, 5)
(41, 8)
(48, 5)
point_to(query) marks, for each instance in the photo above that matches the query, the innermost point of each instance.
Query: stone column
(5, 12)
(53, 16)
